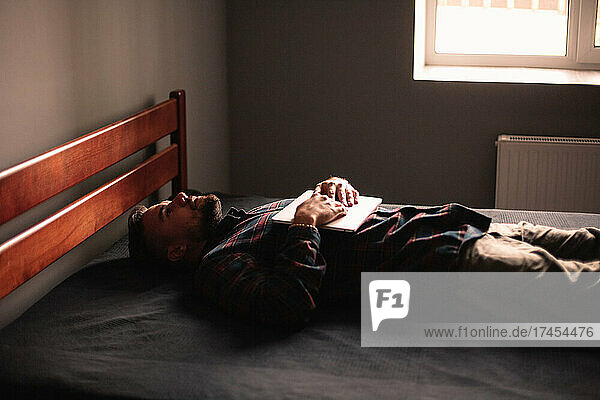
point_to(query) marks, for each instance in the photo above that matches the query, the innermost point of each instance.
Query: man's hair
(138, 247)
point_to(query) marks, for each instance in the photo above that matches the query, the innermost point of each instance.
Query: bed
(114, 330)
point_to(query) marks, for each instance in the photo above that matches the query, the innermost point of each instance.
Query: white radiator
(548, 173)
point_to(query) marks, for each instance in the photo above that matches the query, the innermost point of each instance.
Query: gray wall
(321, 87)
(68, 67)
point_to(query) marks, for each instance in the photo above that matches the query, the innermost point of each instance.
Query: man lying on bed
(277, 274)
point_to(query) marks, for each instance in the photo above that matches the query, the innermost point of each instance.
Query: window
(563, 34)
(525, 28)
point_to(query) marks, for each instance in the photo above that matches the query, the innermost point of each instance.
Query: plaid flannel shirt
(263, 271)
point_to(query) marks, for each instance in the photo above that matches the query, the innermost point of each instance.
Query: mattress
(115, 330)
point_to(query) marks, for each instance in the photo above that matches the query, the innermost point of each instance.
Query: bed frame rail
(40, 178)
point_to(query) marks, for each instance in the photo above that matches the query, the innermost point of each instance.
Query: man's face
(186, 220)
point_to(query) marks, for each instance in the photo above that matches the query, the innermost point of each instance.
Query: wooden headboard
(36, 180)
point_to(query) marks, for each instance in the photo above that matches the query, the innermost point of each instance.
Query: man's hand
(338, 189)
(318, 210)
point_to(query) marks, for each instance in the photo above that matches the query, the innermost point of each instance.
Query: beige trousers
(528, 247)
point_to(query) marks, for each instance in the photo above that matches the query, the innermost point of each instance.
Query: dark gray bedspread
(113, 330)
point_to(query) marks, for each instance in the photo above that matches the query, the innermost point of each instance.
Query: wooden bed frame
(36, 180)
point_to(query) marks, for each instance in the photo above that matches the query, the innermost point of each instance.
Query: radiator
(548, 173)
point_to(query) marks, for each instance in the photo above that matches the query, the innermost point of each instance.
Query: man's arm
(283, 294)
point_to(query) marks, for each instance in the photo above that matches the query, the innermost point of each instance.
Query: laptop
(348, 223)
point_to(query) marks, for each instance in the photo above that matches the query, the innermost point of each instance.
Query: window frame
(587, 52)
(579, 55)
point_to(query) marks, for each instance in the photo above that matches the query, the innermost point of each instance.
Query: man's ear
(175, 252)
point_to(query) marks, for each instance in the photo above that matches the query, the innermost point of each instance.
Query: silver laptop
(348, 223)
